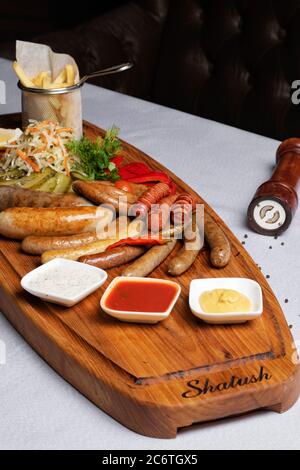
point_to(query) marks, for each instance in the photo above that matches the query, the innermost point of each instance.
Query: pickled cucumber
(63, 183)
(49, 185)
(32, 181)
(8, 175)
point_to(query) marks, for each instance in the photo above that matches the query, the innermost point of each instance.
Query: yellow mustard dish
(224, 301)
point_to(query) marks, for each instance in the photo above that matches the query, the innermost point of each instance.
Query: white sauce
(67, 281)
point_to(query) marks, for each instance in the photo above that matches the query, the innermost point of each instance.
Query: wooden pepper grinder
(275, 202)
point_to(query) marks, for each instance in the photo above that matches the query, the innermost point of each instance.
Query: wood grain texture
(155, 379)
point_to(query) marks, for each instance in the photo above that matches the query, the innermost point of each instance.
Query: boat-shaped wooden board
(155, 379)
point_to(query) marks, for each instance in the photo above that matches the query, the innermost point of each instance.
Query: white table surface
(39, 409)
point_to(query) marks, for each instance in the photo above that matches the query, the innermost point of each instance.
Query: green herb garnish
(95, 157)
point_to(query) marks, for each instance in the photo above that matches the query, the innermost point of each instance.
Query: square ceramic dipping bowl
(245, 286)
(63, 282)
(139, 316)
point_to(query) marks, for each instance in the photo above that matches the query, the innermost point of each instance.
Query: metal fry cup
(61, 105)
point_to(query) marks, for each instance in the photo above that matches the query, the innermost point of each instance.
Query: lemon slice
(7, 136)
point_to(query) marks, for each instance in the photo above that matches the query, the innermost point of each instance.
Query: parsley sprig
(95, 157)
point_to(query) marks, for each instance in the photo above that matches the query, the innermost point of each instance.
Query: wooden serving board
(155, 379)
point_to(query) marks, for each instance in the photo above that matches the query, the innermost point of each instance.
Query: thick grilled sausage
(218, 242)
(134, 229)
(115, 257)
(21, 222)
(149, 261)
(188, 254)
(38, 245)
(77, 252)
(100, 193)
(19, 197)
(160, 213)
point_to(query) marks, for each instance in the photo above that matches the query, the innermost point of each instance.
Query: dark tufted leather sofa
(232, 61)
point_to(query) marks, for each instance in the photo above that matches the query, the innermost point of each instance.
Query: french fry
(38, 80)
(61, 78)
(22, 76)
(46, 82)
(55, 102)
(53, 85)
(70, 74)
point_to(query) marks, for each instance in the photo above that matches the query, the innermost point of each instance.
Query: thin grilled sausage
(218, 242)
(186, 257)
(115, 257)
(149, 261)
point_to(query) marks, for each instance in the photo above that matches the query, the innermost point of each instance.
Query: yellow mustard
(224, 301)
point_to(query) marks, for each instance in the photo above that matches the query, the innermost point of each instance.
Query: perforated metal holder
(61, 105)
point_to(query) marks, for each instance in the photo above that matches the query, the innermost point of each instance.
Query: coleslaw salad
(42, 145)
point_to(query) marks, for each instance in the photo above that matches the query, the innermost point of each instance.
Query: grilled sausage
(134, 229)
(113, 258)
(188, 254)
(100, 193)
(149, 261)
(159, 215)
(38, 245)
(20, 223)
(150, 197)
(183, 207)
(19, 197)
(218, 242)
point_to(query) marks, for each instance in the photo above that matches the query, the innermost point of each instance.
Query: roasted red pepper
(153, 176)
(139, 241)
(139, 172)
(125, 186)
(118, 160)
(133, 169)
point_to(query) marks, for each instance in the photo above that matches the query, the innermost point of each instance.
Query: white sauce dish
(63, 281)
(247, 287)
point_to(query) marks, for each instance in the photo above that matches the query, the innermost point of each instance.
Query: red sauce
(141, 296)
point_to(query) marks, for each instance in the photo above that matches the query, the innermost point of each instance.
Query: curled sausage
(188, 254)
(160, 213)
(150, 260)
(113, 258)
(152, 196)
(218, 242)
(183, 207)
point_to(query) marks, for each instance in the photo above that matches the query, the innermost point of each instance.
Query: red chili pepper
(139, 241)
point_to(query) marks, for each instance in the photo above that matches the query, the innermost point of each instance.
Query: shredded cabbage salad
(42, 145)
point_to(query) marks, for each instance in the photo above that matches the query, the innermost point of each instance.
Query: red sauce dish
(139, 299)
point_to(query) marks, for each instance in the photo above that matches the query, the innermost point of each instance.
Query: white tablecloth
(39, 410)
